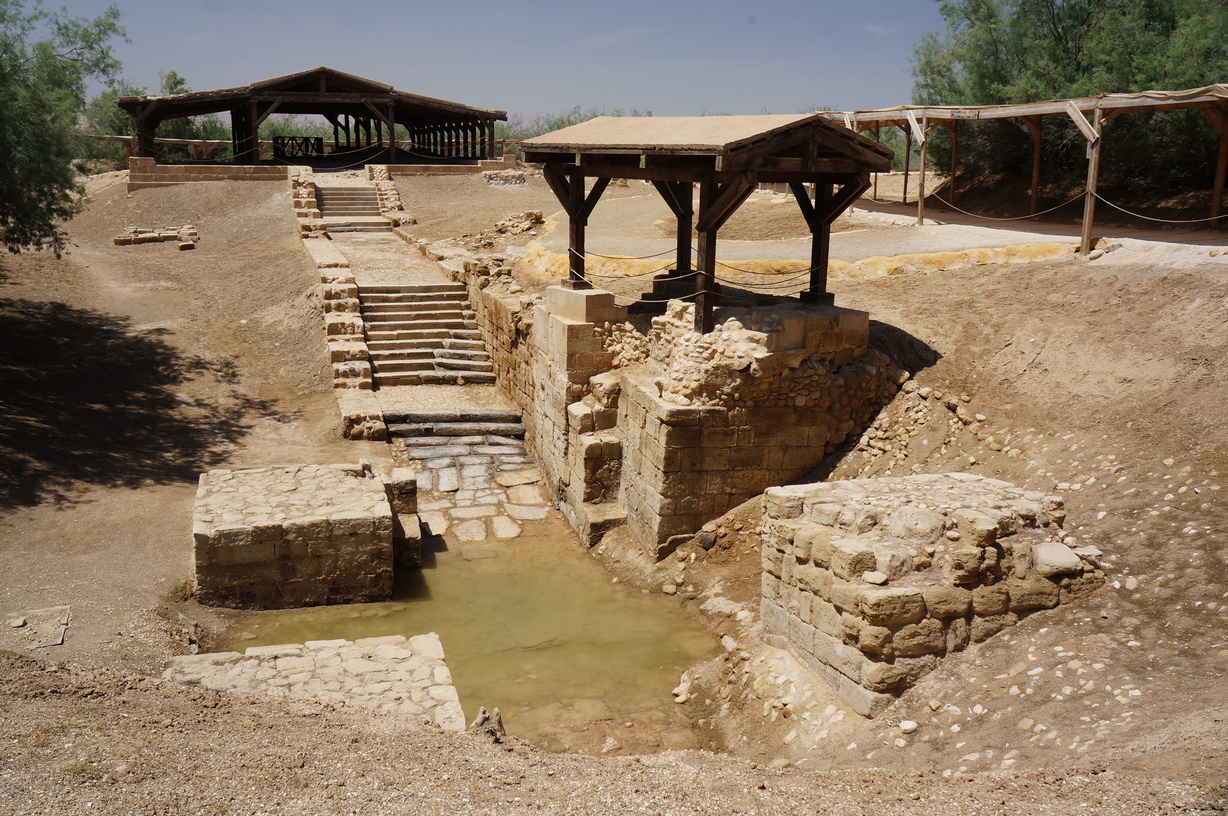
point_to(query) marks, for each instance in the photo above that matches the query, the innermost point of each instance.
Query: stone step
(467, 334)
(456, 344)
(456, 377)
(435, 416)
(412, 303)
(433, 336)
(420, 351)
(411, 316)
(411, 288)
(462, 354)
(463, 365)
(405, 330)
(455, 429)
(398, 366)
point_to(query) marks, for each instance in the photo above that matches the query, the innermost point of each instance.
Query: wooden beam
(705, 280)
(726, 202)
(272, 108)
(953, 130)
(1035, 127)
(1093, 176)
(907, 162)
(921, 186)
(679, 197)
(1219, 121)
(1090, 133)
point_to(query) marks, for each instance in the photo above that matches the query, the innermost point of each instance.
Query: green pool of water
(536, 627)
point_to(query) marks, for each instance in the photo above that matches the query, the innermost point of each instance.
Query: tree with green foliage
(46, 58)
(102, 117)
(996, 52)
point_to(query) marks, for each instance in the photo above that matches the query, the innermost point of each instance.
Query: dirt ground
(129, 370)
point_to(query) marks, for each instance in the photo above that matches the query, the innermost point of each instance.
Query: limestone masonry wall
(667, 429)
(298, 535)
(392, 675)
(872, 581)
(145, 172)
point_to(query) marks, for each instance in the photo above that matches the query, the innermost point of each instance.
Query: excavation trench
(535, 626)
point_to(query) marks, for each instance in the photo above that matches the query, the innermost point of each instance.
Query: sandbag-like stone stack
(872, 581)
(297, 535)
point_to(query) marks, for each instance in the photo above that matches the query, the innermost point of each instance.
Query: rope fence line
(1159, 220)
(1011, 218)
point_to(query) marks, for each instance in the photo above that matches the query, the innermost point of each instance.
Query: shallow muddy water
(536, 627)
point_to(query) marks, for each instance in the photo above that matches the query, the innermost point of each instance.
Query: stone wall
(872, 581)
(666, 429)
(145, 172)
(344, 332)
(392, 675)
(298, 535)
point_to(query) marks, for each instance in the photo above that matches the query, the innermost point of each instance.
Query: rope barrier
(1158, 220)
(629, 257)
(1012, 218)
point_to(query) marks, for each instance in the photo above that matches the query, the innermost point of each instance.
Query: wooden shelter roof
(307, 92)
(1112, 104)
(727, 156)
(795, 147)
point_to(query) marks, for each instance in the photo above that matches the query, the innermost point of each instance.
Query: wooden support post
(679, 196)
(569, 190)
(925, 142)
(1093, 175)
(1034, 126)
(1218, 117)
(877, 138)
(907, 162)
(820, 239)
(953, 130)
(705, 261)
(819, 215)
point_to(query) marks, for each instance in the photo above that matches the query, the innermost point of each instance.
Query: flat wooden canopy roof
(796, 147)
(318, 90)
(1112, 104)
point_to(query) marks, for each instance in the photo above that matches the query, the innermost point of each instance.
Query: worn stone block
(1034, 592)
(990, 600)
(887, 606)
(947, 601)
(850, 558)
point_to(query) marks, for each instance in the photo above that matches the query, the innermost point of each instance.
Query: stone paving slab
(391, 675)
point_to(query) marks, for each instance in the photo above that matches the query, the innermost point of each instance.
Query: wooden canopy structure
(359, 110)
(727, 156)
(917, 121)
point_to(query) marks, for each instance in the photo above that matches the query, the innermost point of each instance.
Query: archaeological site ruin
(571, 460)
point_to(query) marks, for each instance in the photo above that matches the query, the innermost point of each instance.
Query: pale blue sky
(544, 56)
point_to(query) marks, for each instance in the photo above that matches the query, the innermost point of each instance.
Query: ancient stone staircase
(459, 449)
(423, 334)
(351, 209)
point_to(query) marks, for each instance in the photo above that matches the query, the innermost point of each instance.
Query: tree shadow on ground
(85, 398)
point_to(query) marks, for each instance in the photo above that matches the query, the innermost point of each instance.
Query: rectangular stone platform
(296, 535)
(391, 675)
(872, 581)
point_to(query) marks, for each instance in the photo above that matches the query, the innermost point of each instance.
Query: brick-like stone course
(669, 429)
(297, 535)
(872, 581)
(145, 172)
(392, 675)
